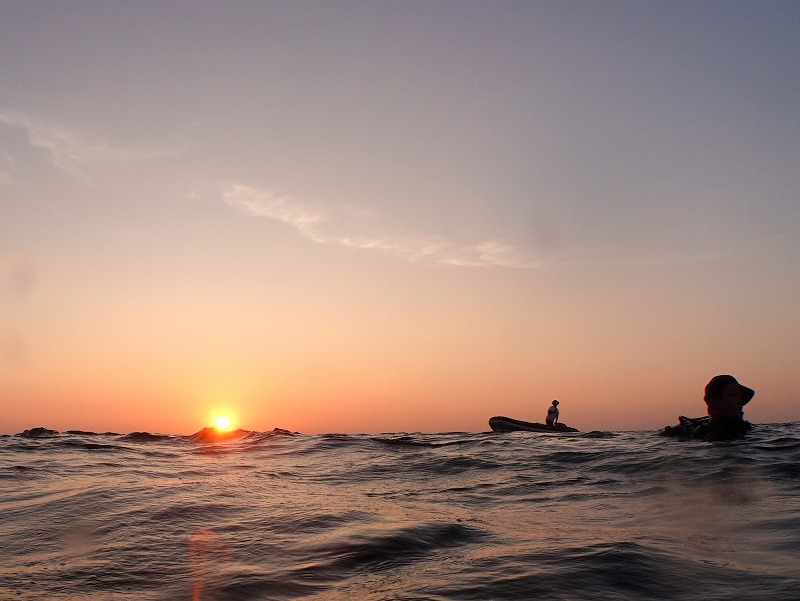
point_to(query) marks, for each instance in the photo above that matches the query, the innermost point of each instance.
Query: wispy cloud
(552, 244)
(261, 203)
(73, 152)
(362, 229)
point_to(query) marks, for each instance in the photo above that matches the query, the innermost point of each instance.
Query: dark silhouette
(216, 435)
(501, 423)
(725, 399)
(552, 414)
(39, 432)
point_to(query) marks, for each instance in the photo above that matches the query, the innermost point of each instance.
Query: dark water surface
(276, 515)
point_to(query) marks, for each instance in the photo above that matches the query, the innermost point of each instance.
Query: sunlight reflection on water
(279, 516)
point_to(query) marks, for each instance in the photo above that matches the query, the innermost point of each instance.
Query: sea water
(280, 515)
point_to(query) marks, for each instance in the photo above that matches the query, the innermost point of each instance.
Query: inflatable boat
(500, 423)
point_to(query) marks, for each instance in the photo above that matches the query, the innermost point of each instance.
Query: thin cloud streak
(260, 203)
(339, 229)
(90, 159)
(73, 153)
(336, 229)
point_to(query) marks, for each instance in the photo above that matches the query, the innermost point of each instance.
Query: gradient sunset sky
(396, 216)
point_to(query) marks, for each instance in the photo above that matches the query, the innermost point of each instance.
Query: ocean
(280, 515)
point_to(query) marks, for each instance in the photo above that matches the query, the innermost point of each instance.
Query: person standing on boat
(552, 414)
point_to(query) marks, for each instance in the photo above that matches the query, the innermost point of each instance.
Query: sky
(350, 217)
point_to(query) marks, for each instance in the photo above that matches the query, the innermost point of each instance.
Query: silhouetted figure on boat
(501, 423)
(552, 415)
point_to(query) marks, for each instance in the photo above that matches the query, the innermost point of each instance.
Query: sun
(223, 423)
(223, 419)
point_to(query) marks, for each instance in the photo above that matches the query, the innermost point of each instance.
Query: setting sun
(223, 423)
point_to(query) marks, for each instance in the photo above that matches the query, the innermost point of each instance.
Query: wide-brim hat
(718, 383)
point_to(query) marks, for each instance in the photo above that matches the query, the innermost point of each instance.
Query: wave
(89, 446)
(384, 548)
(145, 437)
(281, 515)
(86, 433)
(216, 435)
(272, 434)
(419, 440)
(39, 432)
(598, 434)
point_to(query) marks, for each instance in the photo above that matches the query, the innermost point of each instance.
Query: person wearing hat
(725, 399)
(552, 414)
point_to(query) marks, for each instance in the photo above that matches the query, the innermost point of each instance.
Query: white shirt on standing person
(552, 414)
